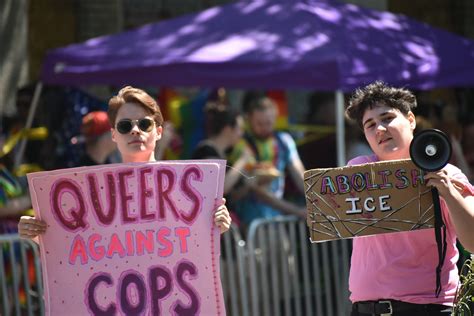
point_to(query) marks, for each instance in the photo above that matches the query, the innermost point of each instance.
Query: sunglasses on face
(126, 125)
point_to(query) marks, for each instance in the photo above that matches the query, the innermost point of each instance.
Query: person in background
(136, 122)
(273, 154)
(95, 133)
(397, 273)
(224, 129)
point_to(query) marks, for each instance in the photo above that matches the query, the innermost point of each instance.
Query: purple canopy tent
(314, 44)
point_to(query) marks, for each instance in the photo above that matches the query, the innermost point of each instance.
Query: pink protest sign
(128, 239)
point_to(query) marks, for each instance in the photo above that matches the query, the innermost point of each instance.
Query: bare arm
(461, 207)
(462, 215)
(297, 170)
(283, 206)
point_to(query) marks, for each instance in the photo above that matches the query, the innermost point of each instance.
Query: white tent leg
(29, 122)
(340, 129)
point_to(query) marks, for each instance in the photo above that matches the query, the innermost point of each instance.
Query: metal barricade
(234, 273)
(276, 272)
(291, 276)
(21, 291)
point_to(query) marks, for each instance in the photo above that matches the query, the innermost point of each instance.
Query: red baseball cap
(95, 124)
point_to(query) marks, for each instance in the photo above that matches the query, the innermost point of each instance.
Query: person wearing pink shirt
(395, 274)
(136, 122)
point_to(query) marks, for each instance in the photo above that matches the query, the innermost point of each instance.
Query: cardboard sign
(128, 239)
(374, 198)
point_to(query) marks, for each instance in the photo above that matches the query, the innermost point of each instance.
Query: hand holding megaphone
(431, 150)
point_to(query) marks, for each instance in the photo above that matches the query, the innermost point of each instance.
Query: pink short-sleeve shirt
(401, 266)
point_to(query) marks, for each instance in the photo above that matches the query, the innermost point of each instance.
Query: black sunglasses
(125, 126)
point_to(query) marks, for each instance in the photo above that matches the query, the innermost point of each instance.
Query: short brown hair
(137, 96)
(375, 94)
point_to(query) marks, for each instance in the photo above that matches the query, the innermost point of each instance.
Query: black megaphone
(430, 150)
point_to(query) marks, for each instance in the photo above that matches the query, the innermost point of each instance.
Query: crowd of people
(387, 271)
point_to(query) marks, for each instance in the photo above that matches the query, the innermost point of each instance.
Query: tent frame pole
(29, 123)
(340, 129)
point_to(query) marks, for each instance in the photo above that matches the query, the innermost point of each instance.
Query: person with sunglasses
(136, 122)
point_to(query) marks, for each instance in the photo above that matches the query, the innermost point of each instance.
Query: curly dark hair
(379, 93)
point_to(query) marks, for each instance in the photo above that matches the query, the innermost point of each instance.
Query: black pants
(421, 310)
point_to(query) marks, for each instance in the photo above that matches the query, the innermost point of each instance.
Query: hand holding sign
(130, 238)
(30, 227)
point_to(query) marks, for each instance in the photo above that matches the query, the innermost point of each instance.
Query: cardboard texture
(374, 198)
(128, 239)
